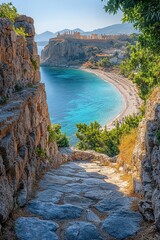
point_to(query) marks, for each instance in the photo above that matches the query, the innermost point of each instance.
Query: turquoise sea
(75, 96)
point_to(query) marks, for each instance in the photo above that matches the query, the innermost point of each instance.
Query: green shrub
(20, 31)
(34, 63)
(55, 135)
(142, 66)
(93, 137)
(104, 63)
(41, 153)
(7, 10)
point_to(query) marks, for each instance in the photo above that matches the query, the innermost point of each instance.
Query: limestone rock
(26, 23)
(92, 217)
(68, 52)
(19, 63)
(24, 117)
(51, 211)
(6, 198)
(107, 205)
(75, 154)
(122, 224)
(28, 228)
(146, 159)
(82, 231)
(78, 200)
(49, 195)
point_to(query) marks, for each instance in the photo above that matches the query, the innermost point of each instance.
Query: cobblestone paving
(79, 201)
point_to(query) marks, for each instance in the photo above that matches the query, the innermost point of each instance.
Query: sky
(56, 15)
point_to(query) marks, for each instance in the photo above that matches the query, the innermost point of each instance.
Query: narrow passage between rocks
(79, 201)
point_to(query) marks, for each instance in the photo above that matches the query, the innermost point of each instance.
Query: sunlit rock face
(68, 52)
(71, 52)
(24, 117)
(147, 159)
(19, 61)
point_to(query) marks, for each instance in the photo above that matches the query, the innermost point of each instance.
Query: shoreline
(127, 89)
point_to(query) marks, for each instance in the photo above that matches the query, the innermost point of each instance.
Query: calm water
(75, 96)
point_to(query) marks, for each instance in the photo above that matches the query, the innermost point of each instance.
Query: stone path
(79, 201)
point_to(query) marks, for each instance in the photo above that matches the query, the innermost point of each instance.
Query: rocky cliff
(70, 51)
(147, 159)
(67, 52)
(25, 150)
(19, 61)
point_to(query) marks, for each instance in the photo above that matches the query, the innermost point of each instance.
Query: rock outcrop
(19, 61)
(147, 159)
(71, 52)
(72, 154)
(25, 150)
(68, 52)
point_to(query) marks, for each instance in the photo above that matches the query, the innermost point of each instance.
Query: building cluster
(77, 35)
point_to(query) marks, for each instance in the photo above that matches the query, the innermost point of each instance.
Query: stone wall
(25, 150)
(147, 159)
(71, 154)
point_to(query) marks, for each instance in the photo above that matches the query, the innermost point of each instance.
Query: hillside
(71, 52)
(125, 28)
(44, 36)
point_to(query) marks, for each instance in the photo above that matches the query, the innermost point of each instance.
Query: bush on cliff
(20, 31)
(93, 137)
(56, 135)
(104, 63)
(7, 10)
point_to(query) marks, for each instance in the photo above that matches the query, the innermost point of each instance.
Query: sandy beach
(128, 90)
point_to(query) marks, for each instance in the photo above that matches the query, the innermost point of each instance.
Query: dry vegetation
(124, 161)
(126, 148)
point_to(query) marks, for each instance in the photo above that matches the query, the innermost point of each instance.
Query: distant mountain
(78, 30)
(116, 29)
(45, 36)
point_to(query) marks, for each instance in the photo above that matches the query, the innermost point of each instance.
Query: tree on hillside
(7, 10)
(105, 63)
(143, 61)
(144, 14)
(93, 137)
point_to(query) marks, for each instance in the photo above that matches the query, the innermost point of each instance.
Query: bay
(75, 96)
